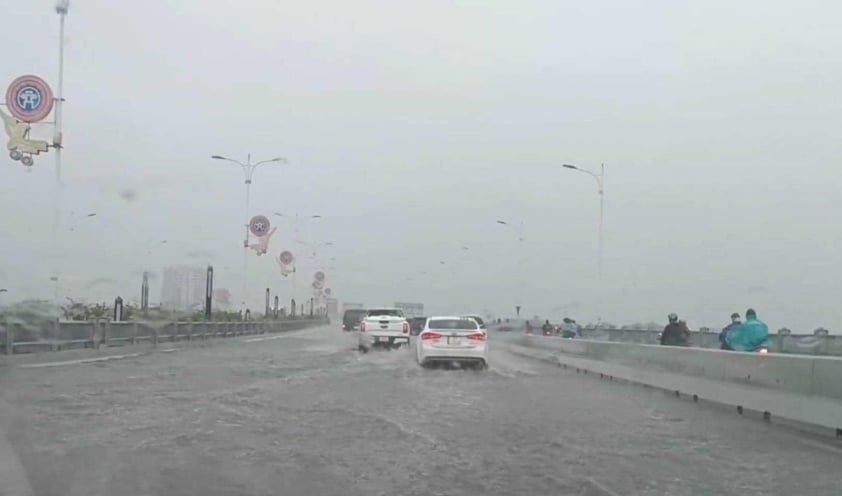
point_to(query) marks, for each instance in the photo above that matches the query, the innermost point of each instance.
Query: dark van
(351, 319)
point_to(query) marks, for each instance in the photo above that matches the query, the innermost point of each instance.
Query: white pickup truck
(383, 327)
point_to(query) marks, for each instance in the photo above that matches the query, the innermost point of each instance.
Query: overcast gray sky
(411, 127)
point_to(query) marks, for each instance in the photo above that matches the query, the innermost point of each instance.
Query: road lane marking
(256, 340)
(80, 361)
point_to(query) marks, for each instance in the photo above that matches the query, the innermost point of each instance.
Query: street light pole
(74, 224)
(248, 173)
(62, 7)
(600, 181)
(519, 229)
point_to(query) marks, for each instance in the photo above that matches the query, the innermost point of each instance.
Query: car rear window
(478, 319)
(461, 324)
(385, 311)
(354, 314)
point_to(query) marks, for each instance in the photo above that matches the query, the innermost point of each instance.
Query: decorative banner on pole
(260, 226)
(286, 257)
(29, 99)
(285, 263)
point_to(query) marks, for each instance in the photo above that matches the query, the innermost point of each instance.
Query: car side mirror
(483, 326)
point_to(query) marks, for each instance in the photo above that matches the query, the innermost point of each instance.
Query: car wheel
(362, 349)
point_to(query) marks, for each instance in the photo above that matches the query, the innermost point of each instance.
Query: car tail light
(406, 327)
(430, 336)
(477, 336)
(362, 326)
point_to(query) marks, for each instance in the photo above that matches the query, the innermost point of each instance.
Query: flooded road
(304, 413)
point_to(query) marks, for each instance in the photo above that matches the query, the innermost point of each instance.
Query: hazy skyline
(412, 127)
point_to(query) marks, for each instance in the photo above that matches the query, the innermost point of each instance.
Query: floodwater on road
(304, 413)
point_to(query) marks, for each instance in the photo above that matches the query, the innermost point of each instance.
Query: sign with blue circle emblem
(29, 99)
(259, 225)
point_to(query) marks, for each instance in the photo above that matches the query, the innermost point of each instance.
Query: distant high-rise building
(183, 288)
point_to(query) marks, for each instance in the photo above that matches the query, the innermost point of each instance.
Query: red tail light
(406, 327)
(430, 336)
(362, 326)
(476, 336)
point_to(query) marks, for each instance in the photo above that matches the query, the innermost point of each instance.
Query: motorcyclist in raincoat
(675, 333)
(547, 328)
(570, 329)
(735, 322)
(750, 336)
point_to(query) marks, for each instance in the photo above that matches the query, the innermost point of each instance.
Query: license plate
(384, 326)
(382, 340)
(454, 340)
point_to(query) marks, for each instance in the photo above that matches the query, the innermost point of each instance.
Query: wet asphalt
(304, 413)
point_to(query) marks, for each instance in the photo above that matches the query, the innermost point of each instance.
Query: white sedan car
(447, 340)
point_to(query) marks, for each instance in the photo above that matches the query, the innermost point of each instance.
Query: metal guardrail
(58, 336)
(802, 388)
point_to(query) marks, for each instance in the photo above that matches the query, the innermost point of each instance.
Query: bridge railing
(56, 336)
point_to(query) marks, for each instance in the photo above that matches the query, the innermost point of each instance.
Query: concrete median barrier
(805, 389)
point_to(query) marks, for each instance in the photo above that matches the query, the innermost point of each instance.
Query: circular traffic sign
(259, 225)
(319, 276)
(328, 291)
(286, 257)
(29, 99)
(318, 284)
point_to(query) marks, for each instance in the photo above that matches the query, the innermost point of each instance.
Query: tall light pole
(248, 173)
(296, 222)
(54, 279)
(600, 181)
(519, 282)
(62, 7)
(74, 224)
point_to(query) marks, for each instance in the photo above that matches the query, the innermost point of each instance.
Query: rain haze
(411, 128)
(440, 166)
